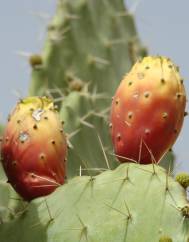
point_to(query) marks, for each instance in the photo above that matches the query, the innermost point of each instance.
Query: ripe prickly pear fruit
(148, 110)
(34, 148)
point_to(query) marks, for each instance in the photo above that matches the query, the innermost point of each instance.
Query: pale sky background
(163, 26)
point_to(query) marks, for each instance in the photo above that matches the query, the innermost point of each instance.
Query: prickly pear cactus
(88, 42)
(90, 46)
(87, 54)
(131, 203)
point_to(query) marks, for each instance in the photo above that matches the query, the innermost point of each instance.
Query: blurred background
(162, 26)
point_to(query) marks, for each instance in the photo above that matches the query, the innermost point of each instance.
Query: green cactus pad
(86, 123)
(11, 205)
(1, 129)
(2, 173)
(168, 161)
(131, 203)
(4, 199)
(91, 41)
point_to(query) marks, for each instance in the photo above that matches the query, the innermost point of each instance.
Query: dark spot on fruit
(14, 163)
(46, 118)
(35, 126)
(170, 66)
(31, 109)
(1, 139)
(61, 130)
(117, 101)
(62, 122)
(7, 139)
(175, 131)
(162, 80)
(146, 94)
(32, 175)
(118, 137)
(130, 83)
(181, 81)
(185, 114)
(9, 118)
(147, 67)
(18, 121)
(130, 115)
(42, 156)
(65, 159)
(178, 95)
(110, 125)
(53, 142)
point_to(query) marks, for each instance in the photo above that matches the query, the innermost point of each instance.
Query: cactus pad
(131, 203)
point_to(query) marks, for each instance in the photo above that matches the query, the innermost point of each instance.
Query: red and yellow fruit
(34, 148)
(147, 110)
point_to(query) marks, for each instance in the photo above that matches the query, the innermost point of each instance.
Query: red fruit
(147, 111)
(34, 148)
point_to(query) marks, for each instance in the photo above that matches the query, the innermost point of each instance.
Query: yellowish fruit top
(36, 102)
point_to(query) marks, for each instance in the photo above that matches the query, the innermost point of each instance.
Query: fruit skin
(148, 110)
(34, 148)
